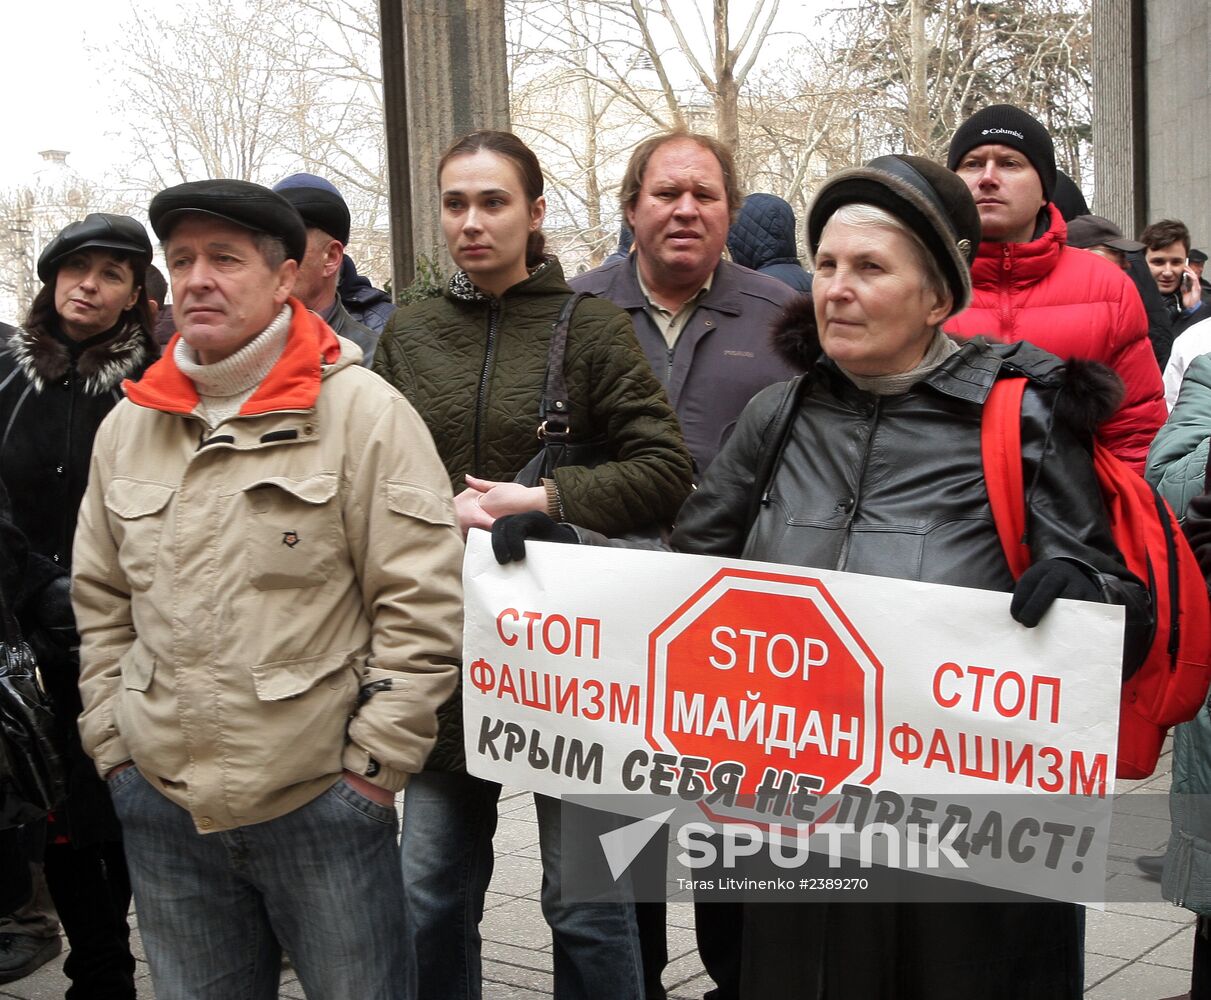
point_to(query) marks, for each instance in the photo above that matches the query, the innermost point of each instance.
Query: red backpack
(1172, 682)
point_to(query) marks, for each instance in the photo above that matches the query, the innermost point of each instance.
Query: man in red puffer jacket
(1029, 286)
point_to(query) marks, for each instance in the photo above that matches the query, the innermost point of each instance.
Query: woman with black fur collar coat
(61, 372)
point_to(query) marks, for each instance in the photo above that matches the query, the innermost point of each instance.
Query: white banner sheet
(800, 701)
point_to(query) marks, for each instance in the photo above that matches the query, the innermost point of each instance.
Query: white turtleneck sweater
(224, 386)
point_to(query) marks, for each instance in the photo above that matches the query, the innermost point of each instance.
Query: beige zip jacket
(268, 603)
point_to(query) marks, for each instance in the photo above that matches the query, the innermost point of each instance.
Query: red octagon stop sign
(765, 670)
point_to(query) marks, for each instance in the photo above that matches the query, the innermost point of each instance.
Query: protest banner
(800, 701)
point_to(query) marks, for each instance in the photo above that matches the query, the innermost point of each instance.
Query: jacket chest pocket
(293, 531)
(138, 510)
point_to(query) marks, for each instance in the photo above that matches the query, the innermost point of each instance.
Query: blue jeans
(446, 850)
(215, 910)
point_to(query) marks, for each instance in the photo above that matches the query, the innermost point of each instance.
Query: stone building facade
(1152, 94)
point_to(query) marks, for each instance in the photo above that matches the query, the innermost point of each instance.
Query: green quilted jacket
(474, 365)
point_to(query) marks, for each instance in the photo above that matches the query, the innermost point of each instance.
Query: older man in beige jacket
(267, 588)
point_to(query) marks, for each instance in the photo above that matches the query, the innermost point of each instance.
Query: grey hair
(271, 248)
(872, 217)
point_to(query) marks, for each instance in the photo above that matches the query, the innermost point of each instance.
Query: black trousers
(91, 890)
(718, 926)
(1200, 980)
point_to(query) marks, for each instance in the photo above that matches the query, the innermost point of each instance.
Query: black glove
(52, 626)
(509, 534)
(1040, 585)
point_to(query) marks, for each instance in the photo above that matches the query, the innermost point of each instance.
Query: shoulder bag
(32, 774)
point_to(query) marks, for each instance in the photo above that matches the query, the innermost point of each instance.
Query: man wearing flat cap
(1029, 286)
(266, 582)
(1193, 329)
(326, 217)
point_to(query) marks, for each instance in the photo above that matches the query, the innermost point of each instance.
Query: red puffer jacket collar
(1075, 305)
(1022, 264)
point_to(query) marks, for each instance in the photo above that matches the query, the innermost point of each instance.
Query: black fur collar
(101, 362)
(795, 337)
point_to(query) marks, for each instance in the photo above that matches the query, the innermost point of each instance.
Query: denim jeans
(215, 910)
(446, 850)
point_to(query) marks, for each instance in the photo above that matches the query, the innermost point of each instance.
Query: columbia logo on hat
(1007, 126)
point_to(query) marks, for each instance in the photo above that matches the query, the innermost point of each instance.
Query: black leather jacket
(893, 486)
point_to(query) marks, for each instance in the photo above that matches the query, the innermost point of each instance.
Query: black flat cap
(109, 232)
(319, 203)
(1196, 257)
(241, 202)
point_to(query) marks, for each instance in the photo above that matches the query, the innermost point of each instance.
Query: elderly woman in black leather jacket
(880, 472)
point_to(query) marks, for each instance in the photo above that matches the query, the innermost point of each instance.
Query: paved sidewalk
(1134, 951)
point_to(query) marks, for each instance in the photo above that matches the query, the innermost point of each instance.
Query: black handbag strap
(773, 444)
(554, 410)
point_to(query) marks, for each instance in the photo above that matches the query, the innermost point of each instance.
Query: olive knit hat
(930, 200)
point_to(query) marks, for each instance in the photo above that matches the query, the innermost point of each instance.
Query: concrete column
(1119, 154)
(1178, 34)
(455, 80)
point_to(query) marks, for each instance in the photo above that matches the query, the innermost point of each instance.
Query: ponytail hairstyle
(506, 144)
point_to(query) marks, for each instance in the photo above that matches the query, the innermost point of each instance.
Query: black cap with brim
(240, 202)
(318, 206)
(930, 200)
(119, 233)
(1087, 231)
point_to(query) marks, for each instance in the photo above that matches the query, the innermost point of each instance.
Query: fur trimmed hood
(1090, 392)
(102, 362)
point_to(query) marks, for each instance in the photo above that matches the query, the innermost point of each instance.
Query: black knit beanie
(932, 201)
(1005, 125)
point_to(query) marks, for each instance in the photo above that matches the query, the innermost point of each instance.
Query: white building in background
(30, 216)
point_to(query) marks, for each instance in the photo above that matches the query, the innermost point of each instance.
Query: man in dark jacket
(763, 239)
(327, 218)
(1101, 236)
(1167, 253)
(703, 321)
(368, 305)
(704, 324)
